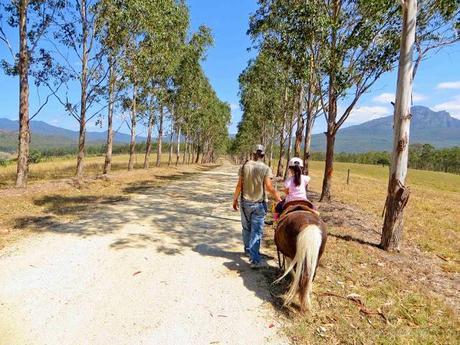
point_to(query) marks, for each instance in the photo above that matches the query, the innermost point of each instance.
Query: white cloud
(387, 97)
(234, 106)
(367, 113)
(417, 97)
(449, 85)
(452, 107)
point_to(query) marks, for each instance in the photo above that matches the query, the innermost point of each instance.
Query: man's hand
(235, 204)
(237, 193)
(269, 187)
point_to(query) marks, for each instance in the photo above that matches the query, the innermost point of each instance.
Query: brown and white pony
(301, 237)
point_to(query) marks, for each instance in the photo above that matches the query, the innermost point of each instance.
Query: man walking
(253, 183)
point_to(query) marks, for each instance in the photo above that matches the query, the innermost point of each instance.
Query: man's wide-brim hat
(259, 148)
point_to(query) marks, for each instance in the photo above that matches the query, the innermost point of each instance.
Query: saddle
(297, 205)
(295, 217)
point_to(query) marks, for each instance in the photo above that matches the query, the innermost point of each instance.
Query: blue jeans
(252, 220)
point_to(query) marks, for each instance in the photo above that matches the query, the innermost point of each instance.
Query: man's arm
(236, 195)
(269, 187)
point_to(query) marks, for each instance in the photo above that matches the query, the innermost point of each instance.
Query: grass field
(432, 220)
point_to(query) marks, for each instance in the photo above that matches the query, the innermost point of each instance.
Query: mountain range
(437, 128)
(427, 127)
(45, 136)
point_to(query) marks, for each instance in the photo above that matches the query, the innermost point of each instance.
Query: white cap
(295, 161)
(260, 148)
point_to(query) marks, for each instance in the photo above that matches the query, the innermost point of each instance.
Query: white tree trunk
(398, 193)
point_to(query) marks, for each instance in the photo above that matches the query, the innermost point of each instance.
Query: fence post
(348, 177)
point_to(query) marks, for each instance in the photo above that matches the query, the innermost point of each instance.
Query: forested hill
(427, 127)
(45, 136)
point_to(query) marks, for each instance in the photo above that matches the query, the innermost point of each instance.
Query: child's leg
(279, 206)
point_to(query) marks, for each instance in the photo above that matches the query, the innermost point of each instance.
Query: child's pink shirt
(297, 192)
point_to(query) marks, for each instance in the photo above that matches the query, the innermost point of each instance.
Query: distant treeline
(424, 157)
(96, 149)
(37, 156)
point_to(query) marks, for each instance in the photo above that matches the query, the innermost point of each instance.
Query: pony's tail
(305, 261)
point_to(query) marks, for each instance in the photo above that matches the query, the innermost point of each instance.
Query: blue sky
(437, 84)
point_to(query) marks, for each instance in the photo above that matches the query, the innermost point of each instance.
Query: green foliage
(262, 86)
(35, 156)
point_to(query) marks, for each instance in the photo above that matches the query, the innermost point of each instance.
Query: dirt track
(162, 268)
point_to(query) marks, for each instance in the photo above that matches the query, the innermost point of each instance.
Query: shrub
(35, 156)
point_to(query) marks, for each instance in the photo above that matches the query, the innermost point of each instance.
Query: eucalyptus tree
(133, 72)
(112, 28)
(32, 19)
(432, 25)
(77, 57)
(438, 25)
(187, 72)
(189, 80)
(156, 33)
(285, 27)
(359, 43)
(262, 92)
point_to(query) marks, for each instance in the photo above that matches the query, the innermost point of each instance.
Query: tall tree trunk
(307, 142)
(191, 151)
(132, 144)
(24, 129)
(148, 144)
(84, 86)
(291, 127)
(272, 140)
(279, 170)
(204, 153)
(327, 179)
(330, 142)
(332, 112)
(398, 193)
(310, 121)
(171, 145)
(300, 122)
(160, 136)
(178, 146)
(198, 150)
(108, 152)
(185, 148)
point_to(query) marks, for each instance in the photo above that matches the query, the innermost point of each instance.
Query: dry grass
(58, 195)
(432, 220)
(410, 297)
(384, 305)
(64, 167)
